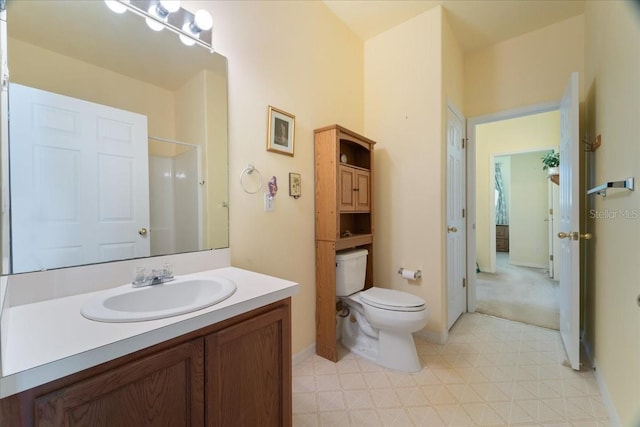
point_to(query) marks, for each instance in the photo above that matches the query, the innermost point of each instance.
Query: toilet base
(359, 343)
(398, 351)
(391, 350)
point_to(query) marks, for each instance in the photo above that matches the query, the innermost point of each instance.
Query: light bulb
(170, 5)
(116, 6)
(203, 20)
(187, 40)
(153, 24)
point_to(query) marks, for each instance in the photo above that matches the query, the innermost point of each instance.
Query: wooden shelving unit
(344, 218)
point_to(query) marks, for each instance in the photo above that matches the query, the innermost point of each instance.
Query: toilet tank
(351, 269)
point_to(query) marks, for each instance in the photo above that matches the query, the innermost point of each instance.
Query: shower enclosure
(175, 197)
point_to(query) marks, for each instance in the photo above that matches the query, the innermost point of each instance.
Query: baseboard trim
(614, 419)
(304, 354)
(436, 337)
(528, 264)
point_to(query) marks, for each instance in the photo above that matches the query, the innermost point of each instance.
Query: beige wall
(533, 132)
(612, 58)
(296, 56)
(67, 76)
(528, 225)
(201, 119)
(406, 91)
(530, 69)
(217, 159)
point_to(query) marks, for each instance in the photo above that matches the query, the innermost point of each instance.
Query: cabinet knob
(452, 230)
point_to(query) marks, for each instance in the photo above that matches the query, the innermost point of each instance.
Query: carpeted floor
(523, 294)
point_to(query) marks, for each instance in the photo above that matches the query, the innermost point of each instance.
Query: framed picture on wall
(280, 131)
(295, 185)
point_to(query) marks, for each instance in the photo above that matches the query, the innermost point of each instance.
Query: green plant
(551, 160)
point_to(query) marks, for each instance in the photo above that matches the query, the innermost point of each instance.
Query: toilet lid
(390, 299)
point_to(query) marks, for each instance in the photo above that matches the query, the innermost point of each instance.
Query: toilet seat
(390, 299)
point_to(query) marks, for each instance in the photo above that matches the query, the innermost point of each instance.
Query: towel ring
(248, 171)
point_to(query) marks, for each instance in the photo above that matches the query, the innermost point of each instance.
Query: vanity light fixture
(202, 21)
(159, 14)
(160, 11)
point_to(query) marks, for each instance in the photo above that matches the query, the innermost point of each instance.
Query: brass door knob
(142, 231)
(451, 229)
(575, 235)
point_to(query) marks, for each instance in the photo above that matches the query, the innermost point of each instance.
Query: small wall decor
(281, 131)
(273, 187)
(295, 185)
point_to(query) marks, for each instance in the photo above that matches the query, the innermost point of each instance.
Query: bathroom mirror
(64, 212)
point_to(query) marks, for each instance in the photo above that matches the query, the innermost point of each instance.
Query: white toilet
(380, 322)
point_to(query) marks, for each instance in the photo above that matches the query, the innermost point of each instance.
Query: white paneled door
(456, 230)
(79, 181)
(569, 227)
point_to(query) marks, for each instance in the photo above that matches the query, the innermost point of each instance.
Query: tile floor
(491, 372)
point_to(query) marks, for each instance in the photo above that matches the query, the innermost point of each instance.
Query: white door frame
(471, 184)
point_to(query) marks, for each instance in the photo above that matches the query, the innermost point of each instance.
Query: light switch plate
(268, 202)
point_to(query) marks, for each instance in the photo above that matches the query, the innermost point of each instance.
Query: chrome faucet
(156, 277)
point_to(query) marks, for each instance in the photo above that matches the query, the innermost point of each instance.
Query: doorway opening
(512, 198)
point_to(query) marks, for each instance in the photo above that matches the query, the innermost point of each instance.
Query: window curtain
(502, 217)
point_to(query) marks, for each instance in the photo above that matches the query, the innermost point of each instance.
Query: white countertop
(50, 339)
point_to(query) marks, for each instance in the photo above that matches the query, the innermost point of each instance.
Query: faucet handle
(167, 270)
(140, 275)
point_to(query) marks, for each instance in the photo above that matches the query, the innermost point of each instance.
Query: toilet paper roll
(408, 274)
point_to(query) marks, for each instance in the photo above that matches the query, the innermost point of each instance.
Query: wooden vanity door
(248, 371)
(163, 389)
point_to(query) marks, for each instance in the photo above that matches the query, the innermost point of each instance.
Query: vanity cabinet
(343, 218)
(248, 372)
(233, 373)
(166, 386)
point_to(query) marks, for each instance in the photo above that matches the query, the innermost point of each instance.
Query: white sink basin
(184, 295)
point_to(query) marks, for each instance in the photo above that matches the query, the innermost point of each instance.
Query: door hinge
(551, 211)
(464, 141)
(464, 282)
(463, 213)
(550, 257)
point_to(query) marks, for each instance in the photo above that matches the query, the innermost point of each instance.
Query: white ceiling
(476, 23)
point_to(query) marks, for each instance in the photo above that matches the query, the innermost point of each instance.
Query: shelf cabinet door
(362, 199)
(163, 389)
(354, 190)
(248, 372)
(347, 186)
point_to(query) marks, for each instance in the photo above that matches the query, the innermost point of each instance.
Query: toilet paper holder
(410, 274)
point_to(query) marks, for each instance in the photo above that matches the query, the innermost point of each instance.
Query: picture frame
(295, 185)
(281, 131)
